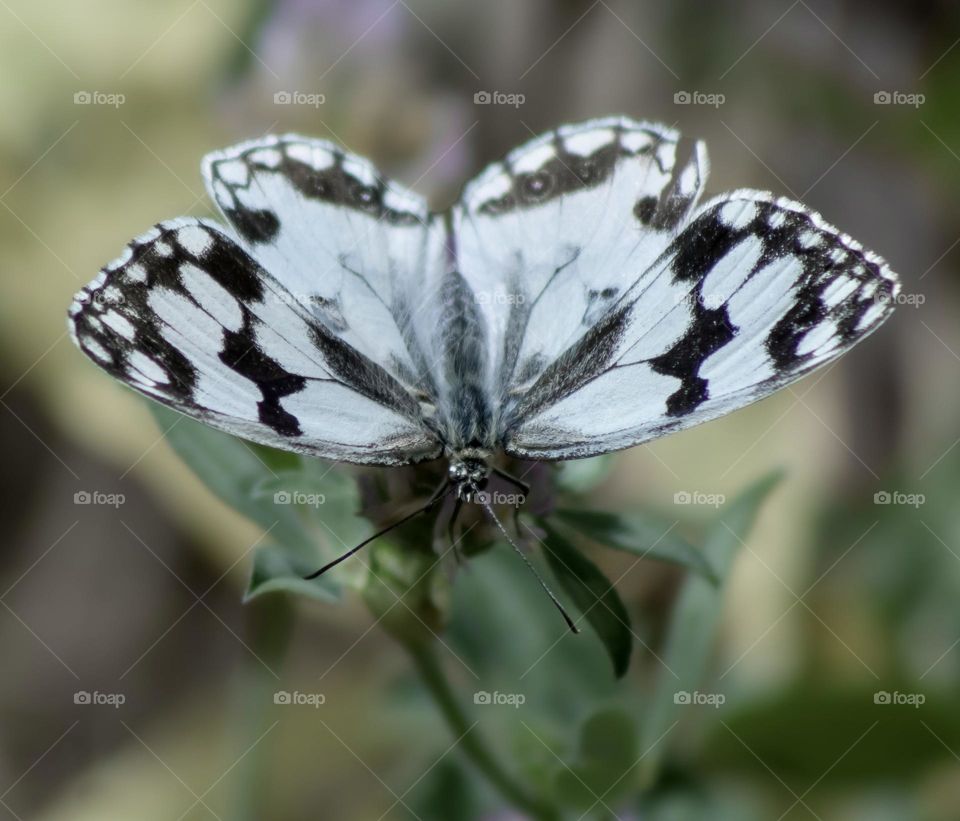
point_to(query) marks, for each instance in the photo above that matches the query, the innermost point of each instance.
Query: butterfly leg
(513, 480)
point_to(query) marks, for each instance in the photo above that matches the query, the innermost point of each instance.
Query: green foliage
(593, 595)
(695, 619)
(643, 534)
(552, 725)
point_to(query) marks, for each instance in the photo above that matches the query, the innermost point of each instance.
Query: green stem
(270, 623)
(472, 744)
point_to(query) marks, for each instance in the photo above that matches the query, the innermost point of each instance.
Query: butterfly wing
(752, 293)
(555, 234)
(188, 317)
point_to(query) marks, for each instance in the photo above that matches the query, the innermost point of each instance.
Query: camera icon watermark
(296, 497)
(114, 99)
(298, 699)
(684, 697)
(309, 98)
(102, 298)
(98, 699)
(911, 300)
(95, 497)
(896, 698)
(499, 98)
(486, 698)
(895, 497)
(714, 99)
(486, 497)
(696, 497)
(899, 98)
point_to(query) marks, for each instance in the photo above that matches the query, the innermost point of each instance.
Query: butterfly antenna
(556, 602)
(442, 492)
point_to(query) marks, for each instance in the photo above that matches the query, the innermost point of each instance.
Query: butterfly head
(468, 472)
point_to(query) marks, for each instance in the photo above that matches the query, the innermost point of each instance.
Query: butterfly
(578, 299)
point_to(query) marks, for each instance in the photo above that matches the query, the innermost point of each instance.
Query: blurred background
(847, 590)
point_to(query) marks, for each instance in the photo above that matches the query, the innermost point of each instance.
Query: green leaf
(231, 469)
(277, 570)
(640, 534)
(593, 595)
(259, 482)
(694, 620)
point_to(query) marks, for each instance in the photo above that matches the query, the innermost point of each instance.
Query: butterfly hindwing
(751, 295)
(189, 318)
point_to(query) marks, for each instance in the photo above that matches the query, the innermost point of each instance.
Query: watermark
(499, 298)
(499, 98)
(296, 497)
(699, 98)
(897, 698)
(95, 497)
(515, 700)
(311, 98)
(895, 497)
(902, 298)
(298, 699)
(98, 699)
(497, 498)
(711, 302)
(696, 497)
(111, 98)
(102, 298)
(899, 98)
(714, 700)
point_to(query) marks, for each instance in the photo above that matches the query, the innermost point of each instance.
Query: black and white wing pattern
(618, 311)
(188, 317)
(576, 301)
(350, 246)
(552, 237)
(753, 293)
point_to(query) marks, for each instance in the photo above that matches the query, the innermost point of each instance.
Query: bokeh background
(108, 107)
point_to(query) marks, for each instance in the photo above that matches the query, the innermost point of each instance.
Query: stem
(472, 744)
(270, 623)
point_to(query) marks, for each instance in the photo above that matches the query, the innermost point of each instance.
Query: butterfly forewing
(752, 294)
(188, 317)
